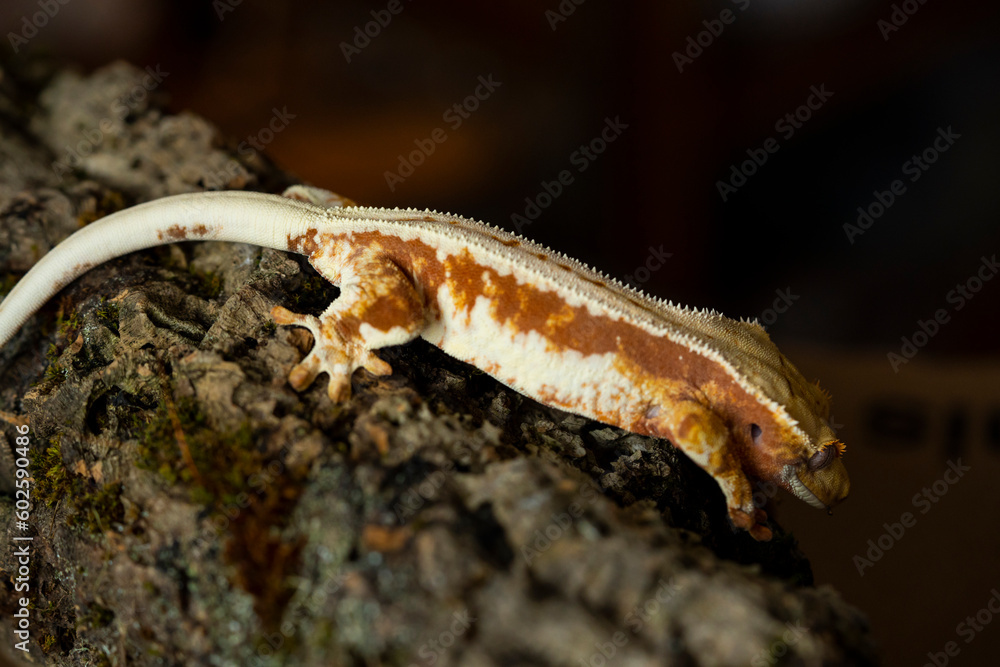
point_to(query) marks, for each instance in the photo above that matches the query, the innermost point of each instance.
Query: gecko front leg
(377, 306)
(697, 431)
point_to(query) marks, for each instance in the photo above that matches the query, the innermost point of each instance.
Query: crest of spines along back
(559, 256)
(688, 340)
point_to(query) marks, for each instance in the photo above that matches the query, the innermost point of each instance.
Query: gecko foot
(331, 354)
(753, 522)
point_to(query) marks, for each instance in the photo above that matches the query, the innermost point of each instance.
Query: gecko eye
(824, 457)
(755, 433)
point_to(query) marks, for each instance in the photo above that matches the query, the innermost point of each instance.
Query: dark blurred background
(693, 91)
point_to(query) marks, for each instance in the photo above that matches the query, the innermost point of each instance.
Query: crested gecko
(537, 321)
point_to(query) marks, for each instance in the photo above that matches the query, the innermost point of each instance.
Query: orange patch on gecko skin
(390, 298)
(175, 233)
(718, 464)
(305, 244)
(690, 428)
(562, 318)
(490, 368)
(71, 275)
(549, 396)
(465, 278)
(399, 308)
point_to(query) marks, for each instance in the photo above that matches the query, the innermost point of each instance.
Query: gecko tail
(244, 217)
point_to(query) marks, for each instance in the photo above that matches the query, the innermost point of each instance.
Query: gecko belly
(598, 380)
(530, 363)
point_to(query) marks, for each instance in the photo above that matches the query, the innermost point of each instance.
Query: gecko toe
(339, 389)
(752, 521)
(740, 518)
(759, 531)
(283, 316)
(304, 373)
(375, 366)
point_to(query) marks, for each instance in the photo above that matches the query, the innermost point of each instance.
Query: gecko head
(806, 462)
(816, 473)
(791, 442)
(821, 479)
(810, 464)
(813, 467)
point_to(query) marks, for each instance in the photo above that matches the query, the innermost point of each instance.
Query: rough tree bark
(190, 508)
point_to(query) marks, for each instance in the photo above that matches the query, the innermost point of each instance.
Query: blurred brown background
(350, 108)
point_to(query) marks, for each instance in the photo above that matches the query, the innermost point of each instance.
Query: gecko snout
(821, 488)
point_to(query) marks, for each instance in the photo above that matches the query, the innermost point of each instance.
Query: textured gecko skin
(541, 323)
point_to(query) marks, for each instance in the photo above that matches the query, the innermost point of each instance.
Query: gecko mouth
(802, 492)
